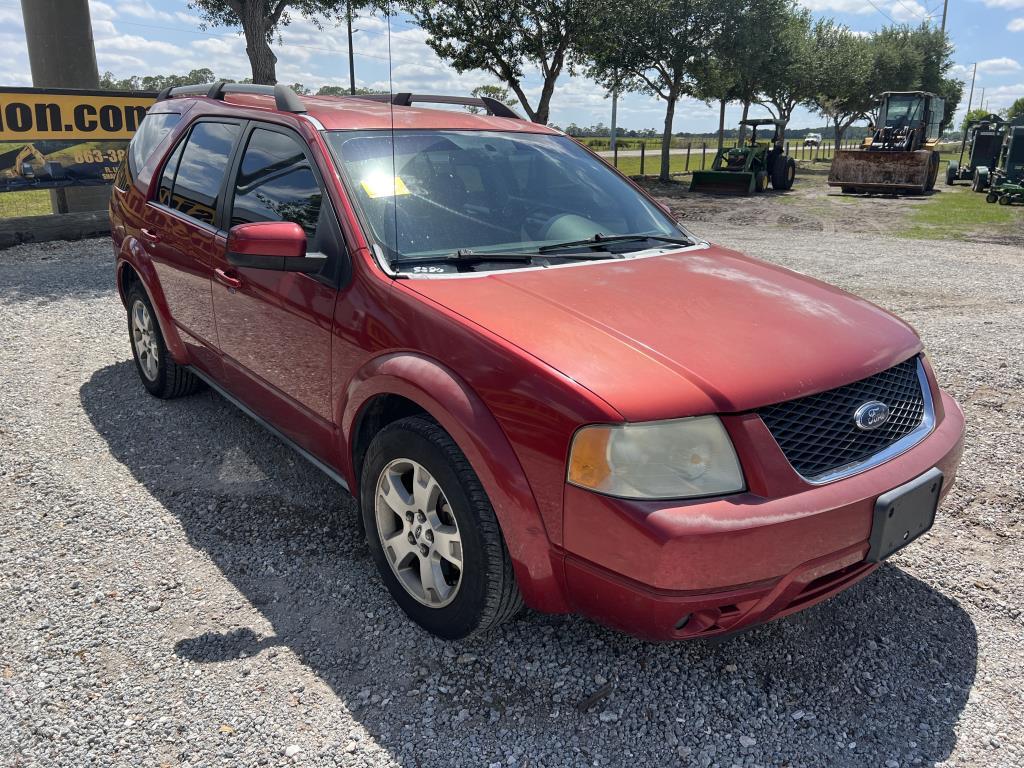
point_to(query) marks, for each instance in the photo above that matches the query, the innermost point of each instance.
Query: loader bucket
(723, 182)
(880, 171)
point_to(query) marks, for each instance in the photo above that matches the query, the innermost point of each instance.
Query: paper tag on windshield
(384, 186)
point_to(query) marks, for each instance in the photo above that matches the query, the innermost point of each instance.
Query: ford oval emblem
(871, 415)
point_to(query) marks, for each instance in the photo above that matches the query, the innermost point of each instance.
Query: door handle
(148, 236)
(226, 279)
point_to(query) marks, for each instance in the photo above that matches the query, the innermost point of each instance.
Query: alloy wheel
(145, 341)
(418, 532)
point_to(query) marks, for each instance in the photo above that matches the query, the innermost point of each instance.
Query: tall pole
(615, 113)
(970, 99)
(981, 101)
(61, 54)
(351, 54)
(945, 6)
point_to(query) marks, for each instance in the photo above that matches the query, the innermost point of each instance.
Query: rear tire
(1004, 200)
(784, 173)
(160, 375)
(991, 197)
(951, 172)
(980, 181)
(469, 587)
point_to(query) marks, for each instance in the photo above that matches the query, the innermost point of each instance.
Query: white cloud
(1016, 25)
(137, 43)
(98, 10)
(144, 11)
(1004, 3)
(908, 10)
(11, 16)
(1001, 66)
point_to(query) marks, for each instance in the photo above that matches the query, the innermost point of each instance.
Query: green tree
(493, 92)
(658, 47)
(260, 20)
(506, 39)
(974, 114)
(844, 77)
(1016, 111)
(156, 82)
(339, 90)
(791, 69)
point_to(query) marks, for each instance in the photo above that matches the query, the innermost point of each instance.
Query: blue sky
(156, 36)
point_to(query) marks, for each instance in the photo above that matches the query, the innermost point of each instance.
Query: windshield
(903, 110)
(455, 193)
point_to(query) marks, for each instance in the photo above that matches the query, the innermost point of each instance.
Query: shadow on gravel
(880, 673)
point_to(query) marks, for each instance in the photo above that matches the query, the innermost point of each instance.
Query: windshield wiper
(462, 256)
(467, 256)
(600, 239)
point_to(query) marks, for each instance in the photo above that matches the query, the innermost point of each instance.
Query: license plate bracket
(903, 514)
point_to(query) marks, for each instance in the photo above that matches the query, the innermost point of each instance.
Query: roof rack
(493, 106)
(285, 98)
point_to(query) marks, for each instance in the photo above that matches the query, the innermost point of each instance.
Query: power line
(873, 5)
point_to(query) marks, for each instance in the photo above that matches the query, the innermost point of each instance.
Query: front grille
(818, 434)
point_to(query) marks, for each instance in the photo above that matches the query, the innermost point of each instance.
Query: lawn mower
(1006, 184)
(986, 135)
(743, 170)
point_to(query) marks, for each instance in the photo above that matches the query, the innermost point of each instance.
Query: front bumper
(671, 570)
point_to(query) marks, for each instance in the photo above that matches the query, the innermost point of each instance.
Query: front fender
(460, 411)
(132, 255)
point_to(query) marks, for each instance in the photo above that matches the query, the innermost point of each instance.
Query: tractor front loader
(744, 170)
(901, 155)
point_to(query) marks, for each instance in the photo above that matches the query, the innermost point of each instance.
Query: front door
(275, 327)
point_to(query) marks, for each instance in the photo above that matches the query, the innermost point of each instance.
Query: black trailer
(986, 136)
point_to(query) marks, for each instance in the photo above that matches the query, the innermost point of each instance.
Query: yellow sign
(34, 114)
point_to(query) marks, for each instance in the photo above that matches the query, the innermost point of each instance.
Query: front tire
(433, 533)
(160, 375)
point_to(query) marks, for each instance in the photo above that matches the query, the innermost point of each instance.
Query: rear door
(275, 327)
(181, 234)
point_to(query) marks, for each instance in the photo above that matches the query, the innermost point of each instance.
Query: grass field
(33, 202)
(958, 210)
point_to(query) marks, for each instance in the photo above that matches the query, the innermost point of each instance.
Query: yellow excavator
(901, 154)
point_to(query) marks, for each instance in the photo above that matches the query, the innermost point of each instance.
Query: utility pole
(970, 99)
(61, 54)
(615, 112)
(981, 101)
(351, 55)
(945, 6)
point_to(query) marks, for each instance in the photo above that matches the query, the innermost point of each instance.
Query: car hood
(701, 330)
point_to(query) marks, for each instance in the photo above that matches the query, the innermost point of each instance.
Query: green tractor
(744, 170)
(1006, 181)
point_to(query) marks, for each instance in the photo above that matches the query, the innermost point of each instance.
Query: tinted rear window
(200, 172)
(153, 130)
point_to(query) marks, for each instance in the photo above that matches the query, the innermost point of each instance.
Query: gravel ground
(179, 589)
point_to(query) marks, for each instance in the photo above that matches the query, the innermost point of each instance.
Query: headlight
(658, 460)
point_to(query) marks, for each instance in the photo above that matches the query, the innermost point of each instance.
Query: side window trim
(186, 134)
(343, 271)
(236, 165)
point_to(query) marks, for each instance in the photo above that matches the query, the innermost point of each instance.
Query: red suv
(540, 388)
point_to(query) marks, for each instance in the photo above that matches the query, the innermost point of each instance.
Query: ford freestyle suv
(540, 388)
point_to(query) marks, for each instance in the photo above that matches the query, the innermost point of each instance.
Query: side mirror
(279, 245)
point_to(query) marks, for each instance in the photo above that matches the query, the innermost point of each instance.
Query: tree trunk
(351, 54)
(840, 129)
(743, 128)
(257, 45)
(540, 115)
(780, 129)
(721, 125)
(666, 140)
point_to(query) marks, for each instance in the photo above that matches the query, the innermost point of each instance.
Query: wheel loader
(743, 170)
(900, 155)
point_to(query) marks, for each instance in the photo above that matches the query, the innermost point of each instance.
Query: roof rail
(285, 98)
(493, 106)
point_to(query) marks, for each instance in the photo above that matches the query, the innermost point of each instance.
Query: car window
(153, 130)
(200, 170)
(276, 183)
(167, 177)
